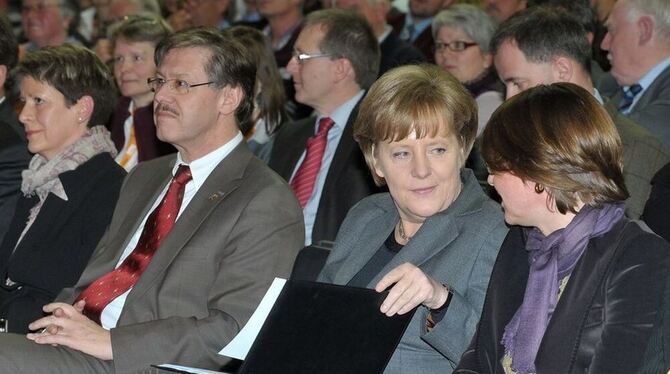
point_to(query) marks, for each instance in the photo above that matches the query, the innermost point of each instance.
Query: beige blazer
(243, 228)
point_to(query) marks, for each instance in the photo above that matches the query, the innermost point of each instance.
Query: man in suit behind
(547, 45)
(336, 57)
(176, 291)
(394, 51)
(14, 154)
(414, 26)
(638, 45)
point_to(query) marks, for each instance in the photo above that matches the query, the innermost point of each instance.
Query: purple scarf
(551, 258)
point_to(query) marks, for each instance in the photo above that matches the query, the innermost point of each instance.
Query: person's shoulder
(636, 238)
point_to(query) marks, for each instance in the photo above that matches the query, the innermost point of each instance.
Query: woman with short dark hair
(577, 285)
(71, 184)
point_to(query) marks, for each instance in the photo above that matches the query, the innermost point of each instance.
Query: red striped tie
(158, 225)
(305, 178)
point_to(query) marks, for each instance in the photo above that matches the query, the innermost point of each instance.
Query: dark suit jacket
(396, 52)
(348, 179)
(424, 42)
(657, 211)
(241, 229)
(653, 108)
(148, 144)
(14, 158)
(56, 248)
(604, 316)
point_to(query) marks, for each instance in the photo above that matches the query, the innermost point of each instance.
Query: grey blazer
(643, 156)
(652, 110)
(456, 247)
(242, 228)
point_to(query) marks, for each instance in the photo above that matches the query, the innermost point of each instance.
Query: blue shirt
(647, 81)
(418, 27)
(340, 116)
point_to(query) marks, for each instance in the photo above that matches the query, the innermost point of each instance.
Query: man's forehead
(187, 61)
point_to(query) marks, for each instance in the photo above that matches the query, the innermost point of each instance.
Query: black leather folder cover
(325, 328)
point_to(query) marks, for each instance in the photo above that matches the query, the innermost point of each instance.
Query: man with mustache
(195, 240)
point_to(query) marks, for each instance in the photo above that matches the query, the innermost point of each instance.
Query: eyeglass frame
(301, 57)
(440, 46)
(151, 81)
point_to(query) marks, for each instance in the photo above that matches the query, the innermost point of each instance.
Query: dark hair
(9, 49)
(75, 72)
(561, 137)
(348, 35)
(269, 92)
(229, 65)
(140, 28)
(580, 9)
(543, 33)
(420, 98)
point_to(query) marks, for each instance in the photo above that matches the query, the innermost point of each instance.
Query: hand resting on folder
(410, 287)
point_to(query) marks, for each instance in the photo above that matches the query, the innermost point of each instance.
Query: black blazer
(148, 144)
(348, 179)
(14, 158)
(396, 52)
(657, 210)
(604, 317)
(424, 42)
(57, 246)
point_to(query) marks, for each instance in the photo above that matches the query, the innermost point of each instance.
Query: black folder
(325, 328)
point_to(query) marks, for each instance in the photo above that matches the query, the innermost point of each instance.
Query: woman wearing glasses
(132, 124)
(71, 184)
(462, 34)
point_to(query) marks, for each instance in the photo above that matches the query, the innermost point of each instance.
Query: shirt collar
(387, 31)
(598, 96)
(418, 26)
(202, 167)
(341, 114)
(652, 74)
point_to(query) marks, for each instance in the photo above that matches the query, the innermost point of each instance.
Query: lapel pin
(215, 195)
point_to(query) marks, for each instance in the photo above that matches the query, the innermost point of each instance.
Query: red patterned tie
(158, 225)
(304, 179)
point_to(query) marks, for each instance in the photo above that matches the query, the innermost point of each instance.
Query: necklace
(401, 231)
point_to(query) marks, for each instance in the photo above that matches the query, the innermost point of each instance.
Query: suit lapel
(343, 152)
(136, 209)
(373, 240)
(436, 233)
(223, 180)
(652, 92)
(295, 143)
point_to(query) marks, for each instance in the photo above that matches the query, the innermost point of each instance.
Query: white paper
(240, 345)
(190, 369)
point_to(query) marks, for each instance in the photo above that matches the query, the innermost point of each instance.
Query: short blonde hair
(420, 98)
(560, 137)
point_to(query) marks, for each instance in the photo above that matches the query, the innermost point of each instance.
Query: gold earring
(539, 188)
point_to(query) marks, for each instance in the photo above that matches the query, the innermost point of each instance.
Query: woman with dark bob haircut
(433, 238)
(577, 285)
(71, 184)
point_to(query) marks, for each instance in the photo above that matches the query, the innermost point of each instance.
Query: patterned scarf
(41, 177)
(551, 258)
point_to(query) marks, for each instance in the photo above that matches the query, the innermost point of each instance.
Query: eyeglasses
(455, 46)
(179, 86)
(302, 57)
